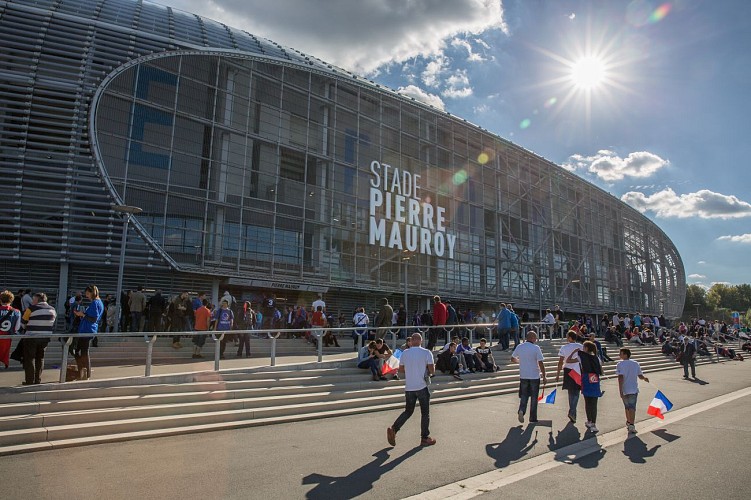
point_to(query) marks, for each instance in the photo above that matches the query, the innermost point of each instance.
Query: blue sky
(648, 100)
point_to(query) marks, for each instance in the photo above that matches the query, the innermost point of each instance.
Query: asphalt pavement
(347, 457)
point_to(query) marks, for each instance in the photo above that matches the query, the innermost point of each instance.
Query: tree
(694, 295)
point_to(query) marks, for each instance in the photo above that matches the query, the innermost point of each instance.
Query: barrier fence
(391, 335)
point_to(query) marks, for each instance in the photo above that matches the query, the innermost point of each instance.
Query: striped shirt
(39, 318)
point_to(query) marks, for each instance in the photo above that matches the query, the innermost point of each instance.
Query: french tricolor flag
(550, 400)
(659, 406)
(576, 374)
(392, 364)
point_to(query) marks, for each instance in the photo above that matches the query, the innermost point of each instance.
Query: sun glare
(588, 72)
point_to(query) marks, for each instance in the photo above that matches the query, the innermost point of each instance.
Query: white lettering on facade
(399, 219)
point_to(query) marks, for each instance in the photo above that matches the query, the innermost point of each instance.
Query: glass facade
(252, 161)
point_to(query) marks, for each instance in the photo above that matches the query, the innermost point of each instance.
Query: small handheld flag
(659, 405)
(392, 364)
(550, 400)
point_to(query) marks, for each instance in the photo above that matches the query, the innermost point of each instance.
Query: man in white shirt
(530, 359)
(570, 370)
(360, 319)
(319, 302)
(415, 367)
(549, 321)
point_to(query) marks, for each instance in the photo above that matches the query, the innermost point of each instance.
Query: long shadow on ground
(358, 481)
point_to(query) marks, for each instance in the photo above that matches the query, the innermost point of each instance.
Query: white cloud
(483, 43)
(738, 238)
(420, 95)
(704, 204)
(471, 56)
(572, 16)
(702, 262)
(457, 85)
(697, 277)
(610, 167)
(482, 108)
(431, 75)
(359, 36)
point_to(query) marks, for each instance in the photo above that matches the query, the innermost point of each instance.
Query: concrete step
(384, 398)
(99, 411)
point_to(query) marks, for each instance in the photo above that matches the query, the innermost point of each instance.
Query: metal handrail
(273, 334)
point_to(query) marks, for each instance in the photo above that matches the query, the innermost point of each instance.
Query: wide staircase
(129, 350)
(51, 416)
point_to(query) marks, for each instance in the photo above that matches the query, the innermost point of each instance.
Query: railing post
(64, 362)
(273, 351)
(393, 341)
(149, 352)
(318, 332)
(217, 347)
(471, 335)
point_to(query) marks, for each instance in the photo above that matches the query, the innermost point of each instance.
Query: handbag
(17, 353)
(591, 385)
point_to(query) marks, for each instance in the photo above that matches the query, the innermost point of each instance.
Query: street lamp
(697, 311)
(128, 211)
(405, 260)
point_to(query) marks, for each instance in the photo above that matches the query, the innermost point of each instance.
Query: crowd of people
(578, 363)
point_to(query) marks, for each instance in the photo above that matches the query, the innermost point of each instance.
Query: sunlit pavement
(349, 456)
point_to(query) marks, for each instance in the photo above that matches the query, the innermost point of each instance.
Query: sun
(588, 73)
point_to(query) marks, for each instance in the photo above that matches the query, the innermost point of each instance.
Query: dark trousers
(686, 364)
(33, 360)
(223, 343)
(155, 323)
(515, 336)
(471, 362)
(590, 406)
(81, 353)
(371, 363)
(454, 361)
(433, 337)
(529, 388)
(135, 321)
(244, 342)
(412, 397)
(504, 338)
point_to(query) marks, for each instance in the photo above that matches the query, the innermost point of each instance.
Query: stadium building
(262, 169)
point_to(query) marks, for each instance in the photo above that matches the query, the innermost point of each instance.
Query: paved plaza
(347, 457)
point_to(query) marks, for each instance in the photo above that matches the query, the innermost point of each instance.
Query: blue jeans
(529, 388)
(412, 397)
(371, 363)
(515, 335)
(504, 337)
(573, 400)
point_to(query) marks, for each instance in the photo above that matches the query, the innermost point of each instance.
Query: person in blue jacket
(89, 324)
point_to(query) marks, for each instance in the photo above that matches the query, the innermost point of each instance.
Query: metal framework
(252, 164)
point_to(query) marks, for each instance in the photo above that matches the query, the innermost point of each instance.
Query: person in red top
(318, 322)
(440, 315)
(203, 321)
(10, 322)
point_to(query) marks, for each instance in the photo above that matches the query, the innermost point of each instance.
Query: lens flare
(525, 123)
(460, 177)
(551, 102)
(483, 158)
(660, 13)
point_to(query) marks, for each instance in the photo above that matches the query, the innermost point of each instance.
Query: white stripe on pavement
(495, 479)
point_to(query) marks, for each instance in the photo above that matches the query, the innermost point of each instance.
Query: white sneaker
(593, 428)
(588, 424)
(521, 417)
(631, 429)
